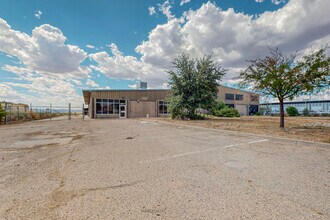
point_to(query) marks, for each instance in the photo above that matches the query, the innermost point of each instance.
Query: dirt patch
(295, 127)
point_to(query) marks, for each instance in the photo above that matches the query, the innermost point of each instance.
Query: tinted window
(239, 97)
(229, 96)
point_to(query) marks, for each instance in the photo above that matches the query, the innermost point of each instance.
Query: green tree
(194, 84)
(3, 113)
(284, 77)
(292, 111)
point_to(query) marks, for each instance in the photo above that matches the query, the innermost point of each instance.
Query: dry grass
(302, 128)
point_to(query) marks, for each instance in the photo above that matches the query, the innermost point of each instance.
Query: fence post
(30, 111)
(83, 111)
(18, 113)
(50, 110)
(69, 111)
(10, 113)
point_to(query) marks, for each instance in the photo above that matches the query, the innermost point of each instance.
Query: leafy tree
(194, 85)
(292, 111)
(3, 113)
(284, 77)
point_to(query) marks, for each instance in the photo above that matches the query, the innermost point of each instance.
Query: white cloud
(133, 86)
(90, 46)
(277, 2)
(165, 8)
(234, 37)
(119, 66)
(44, 51)
(92, 83)
(38, 14)
(231, 37)
(184, 2)
(152, 10)
(48, 70)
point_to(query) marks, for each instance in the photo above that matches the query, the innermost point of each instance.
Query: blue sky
(50, 50)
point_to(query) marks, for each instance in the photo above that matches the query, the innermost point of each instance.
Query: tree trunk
(281, 113)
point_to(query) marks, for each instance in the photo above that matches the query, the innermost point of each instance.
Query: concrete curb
(275, 139)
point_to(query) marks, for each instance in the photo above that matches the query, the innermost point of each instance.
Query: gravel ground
(137, 169)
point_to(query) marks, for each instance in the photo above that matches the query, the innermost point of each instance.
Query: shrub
(228, 112)
(218, 106)
(305, 112)
(258, 113)
(3, 113)
(292, 111)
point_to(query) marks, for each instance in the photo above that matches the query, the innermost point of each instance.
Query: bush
(305, 112)
(258, 113)
(3, 113)
(217, 107)
(292, 111)
(228, 112)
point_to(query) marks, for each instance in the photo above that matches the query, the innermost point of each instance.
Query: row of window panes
(108, 106)
(240, 97)
(163, 107)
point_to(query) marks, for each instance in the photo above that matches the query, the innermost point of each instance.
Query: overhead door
(142, 108)
(242, 109)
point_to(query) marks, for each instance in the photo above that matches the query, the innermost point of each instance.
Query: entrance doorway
(122, 111)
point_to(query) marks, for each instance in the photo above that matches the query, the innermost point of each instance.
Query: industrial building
(11, 107)
(316, 106)
(137, 103)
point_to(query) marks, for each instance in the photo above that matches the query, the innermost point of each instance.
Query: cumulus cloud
(184, 2)
(38, 14)
(165, 8)
(44, 51)
(47, 67)
(230, 37)
(119, 66)
(90, 46)
(92, 83)
(234, 37)
(277, 2)
(152, 10)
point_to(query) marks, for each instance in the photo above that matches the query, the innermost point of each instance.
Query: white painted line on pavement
(200, 151)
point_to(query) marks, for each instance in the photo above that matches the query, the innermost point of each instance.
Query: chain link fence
(20, 113)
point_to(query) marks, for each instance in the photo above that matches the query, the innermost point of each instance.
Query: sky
(50, 50)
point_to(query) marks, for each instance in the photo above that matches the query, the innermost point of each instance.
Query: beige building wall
(140, 103)
(242, 100)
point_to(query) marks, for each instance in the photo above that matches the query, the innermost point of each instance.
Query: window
(254, 98)
(239, 97)
(108, 106)
(163, 107)
(105, 109)
(98, 108)
(229, 96)
(116, 107)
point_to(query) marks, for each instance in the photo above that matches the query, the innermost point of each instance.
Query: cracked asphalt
(140, 169)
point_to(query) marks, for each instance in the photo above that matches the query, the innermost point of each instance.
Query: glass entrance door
(122, 111)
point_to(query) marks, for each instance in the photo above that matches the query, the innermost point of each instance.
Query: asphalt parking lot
(140, 169)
